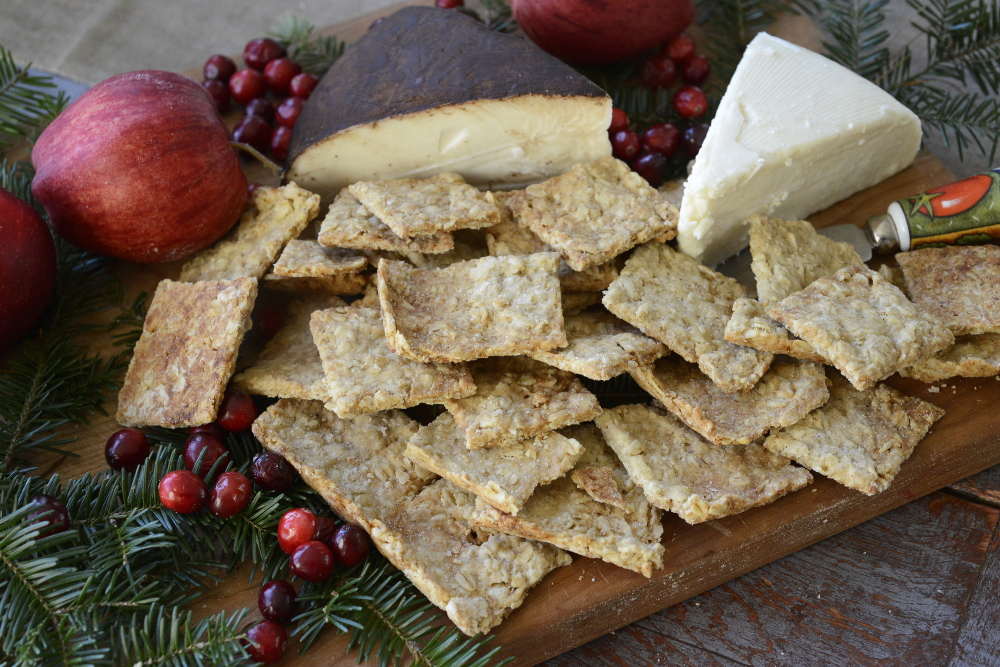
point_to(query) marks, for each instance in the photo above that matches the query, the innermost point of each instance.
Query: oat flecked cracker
(186, 353)
(750, 326)
(337, 284)
(348, 224)
(977, 355)
(304, 259)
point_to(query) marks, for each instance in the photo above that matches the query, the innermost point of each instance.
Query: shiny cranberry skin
(255, 131)
(183, 492)
(213, 449)
(277, 600)
(690, 102)
(219, 68)
(680, 48)
(619, 121)
(126, 449)
(659, 72)
(247, 84)
(625, 145)
(50, 510)
(325, 528)
(266, 642)
(449, 4)
(349, 545)
(230, 495)
(266, 324)
(652, 167)
(312, 561)
(664, 138)
(211, 428)
(288, 111)
(262, 108)
(237, 412)
(279, 74)
(219, 92)
(259, 52)
(696, 69)
(296, 527)
(272, 472)
(279, 142)
(694, 137)
(302, 85)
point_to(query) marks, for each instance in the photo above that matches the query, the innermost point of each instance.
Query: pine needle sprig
(859, 35)
(315, 53)
(730, 25)
(168, 638)
(27, 102)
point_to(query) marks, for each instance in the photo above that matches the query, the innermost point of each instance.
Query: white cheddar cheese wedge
(794, 133)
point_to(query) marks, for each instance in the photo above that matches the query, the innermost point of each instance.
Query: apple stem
(247, 148)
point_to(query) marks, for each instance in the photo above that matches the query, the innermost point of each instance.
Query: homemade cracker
(594, 212)
(342, 284)
(686, 305)
(971, 356)
(302, 259)
(363, 375)
(502, 476)
(750, 326)
(442, 203)
(348, 224)
(278, 215)
(370, 297)
(574, 303)
(683, 473)
(469, 244)
(494, 306)
(788, 255)
(518, 398)
(894, 275)
(862, 324)
(186, 353)
(600, 346)
(627, 534)
(859, 438)
(600, 484)
(959, 285)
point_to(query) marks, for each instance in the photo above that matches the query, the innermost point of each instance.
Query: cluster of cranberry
(266, 125)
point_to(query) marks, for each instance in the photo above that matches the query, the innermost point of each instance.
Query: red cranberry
(279, 142)
(279, 74)
(49, 511)
(349, 545)
(296, 527)
(696, 70)
(680, 48)
(690, 102)
(237, 412)
(302, 85)
(262, 108)
(211, 428)
(694, 137)
(663, 138)
(272, 472)
(619, 121)
(219, 68)
(266, 642)
(449, 4)
(276, 600)
(208, 447)
(126, 449)
(652, 167)
(312, 561)
(266, 324)
(255, 131)
(183, 492)
(325, 528)
(659, 71)
(288, 111)
(219, 92)
(247, 84)
(259, 52)
(230, 495)
(625, 145)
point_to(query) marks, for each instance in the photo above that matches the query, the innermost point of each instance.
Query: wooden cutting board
(590, 598)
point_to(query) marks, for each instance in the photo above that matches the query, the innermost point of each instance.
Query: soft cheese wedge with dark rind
(427, 91)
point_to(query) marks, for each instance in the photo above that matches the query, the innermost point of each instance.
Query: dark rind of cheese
(423, 58)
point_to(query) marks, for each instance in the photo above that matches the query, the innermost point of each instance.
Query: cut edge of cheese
(782, 145)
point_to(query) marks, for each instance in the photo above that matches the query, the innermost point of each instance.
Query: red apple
(27, 267)
(140, 168)
(598, 32)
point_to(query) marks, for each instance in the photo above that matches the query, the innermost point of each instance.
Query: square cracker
(594, 212)
(348, 224)
(363, 375)
(859, 438)
(686, 305)
(289, 366)
(788, 255)
(959, 285)
(682, 472)
(600, 346)
(788, 392)
(303, 259)
(502, 476)
(562, 514)
(574, 303)
(278, 215)
(469, 244)
(489, 307)
(971, 356)
(442, 203)
(862, 324)
(343, 283)
(750, 326)
(518, 398)
(186, 353)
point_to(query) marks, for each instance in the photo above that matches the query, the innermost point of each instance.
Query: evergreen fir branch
(169, 638)
(858, 30)
(731, 24)
(27, 102)
(316, 54)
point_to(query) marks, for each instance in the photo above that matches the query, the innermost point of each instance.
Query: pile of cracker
(488, 306)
